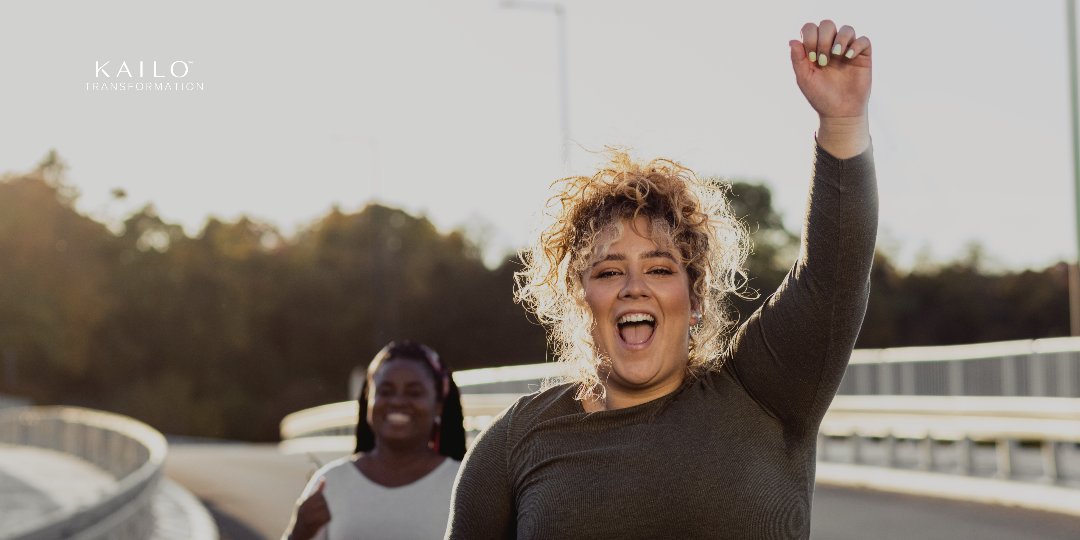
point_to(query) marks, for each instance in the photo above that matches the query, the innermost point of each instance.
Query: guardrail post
(890, 451)
(1008, 376)
(1068, 364)
(963, 455)
(1050, 462)
(863, 386)
(955, 370)
(1036, 374)
(1004, 449)
(907, 378)
(886, 379)
(926, 453)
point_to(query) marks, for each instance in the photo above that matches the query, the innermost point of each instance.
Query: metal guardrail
(130, 450)
(1011, 438)
(1009, 410)
(1028, 368)
(1008, 438)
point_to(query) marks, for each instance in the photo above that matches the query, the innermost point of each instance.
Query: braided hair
(448, 435)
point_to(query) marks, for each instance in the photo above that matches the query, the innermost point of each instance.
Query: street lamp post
(1074, 270)
(564, 90)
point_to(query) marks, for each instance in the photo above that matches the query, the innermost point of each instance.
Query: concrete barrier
(130, 450)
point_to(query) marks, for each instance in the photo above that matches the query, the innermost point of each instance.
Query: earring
(695, 319)
(438, 419)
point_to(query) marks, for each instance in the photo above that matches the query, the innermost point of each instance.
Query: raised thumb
(798, 55)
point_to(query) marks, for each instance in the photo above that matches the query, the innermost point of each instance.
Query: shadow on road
(231, 528)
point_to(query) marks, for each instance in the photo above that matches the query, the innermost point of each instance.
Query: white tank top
(361, 509)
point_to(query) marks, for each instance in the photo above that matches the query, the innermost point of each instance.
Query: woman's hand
(312, 514)
(832, 68)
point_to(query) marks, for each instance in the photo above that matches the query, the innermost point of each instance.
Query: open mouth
(398, 418)
(636, 328)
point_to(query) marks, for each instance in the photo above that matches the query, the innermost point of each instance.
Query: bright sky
(450, 108)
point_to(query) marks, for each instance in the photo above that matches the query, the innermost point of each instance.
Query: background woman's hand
(312, 514)
(833, 68)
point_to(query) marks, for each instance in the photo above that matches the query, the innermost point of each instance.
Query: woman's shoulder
(545, 404)
(330, 471)
(447, 470)
(336, 468)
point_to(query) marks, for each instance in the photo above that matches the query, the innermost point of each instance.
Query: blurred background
(212, 255)
(348, 173)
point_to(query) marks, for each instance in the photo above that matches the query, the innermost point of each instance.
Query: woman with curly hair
(670, 421)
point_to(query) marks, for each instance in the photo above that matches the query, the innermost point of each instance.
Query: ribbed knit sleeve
(482, 507)
(791, 354)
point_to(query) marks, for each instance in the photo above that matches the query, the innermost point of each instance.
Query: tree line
(223, 333)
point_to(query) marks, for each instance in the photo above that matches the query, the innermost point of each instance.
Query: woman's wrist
(844, 137)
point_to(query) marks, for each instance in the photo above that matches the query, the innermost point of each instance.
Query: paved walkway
(251, 488)
(858, 514)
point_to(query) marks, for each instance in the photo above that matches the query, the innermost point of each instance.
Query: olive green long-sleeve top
(730, 454)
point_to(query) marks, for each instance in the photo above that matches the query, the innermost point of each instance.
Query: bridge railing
(1009, 410)
(128, 449)
(1028, 368)
(1012, 438)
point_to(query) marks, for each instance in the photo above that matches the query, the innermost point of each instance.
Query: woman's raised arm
(791, 354)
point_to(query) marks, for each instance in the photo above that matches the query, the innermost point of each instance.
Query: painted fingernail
(822, 60)
(837, 49)
(813, 56)
(850, 53)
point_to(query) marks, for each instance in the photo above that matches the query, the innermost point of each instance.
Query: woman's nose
(634, 286)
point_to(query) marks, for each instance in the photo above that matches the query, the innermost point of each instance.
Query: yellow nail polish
(837, 49)
(850, 53)
(813, 56)
(822, 60)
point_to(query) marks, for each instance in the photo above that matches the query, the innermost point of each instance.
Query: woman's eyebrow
(657, 254)
(611, 257)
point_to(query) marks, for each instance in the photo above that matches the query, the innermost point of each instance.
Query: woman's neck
(399, 457)
(617, 397)
(395, 467)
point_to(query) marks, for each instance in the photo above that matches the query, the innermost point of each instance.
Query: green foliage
(958, 303)
(774, 247)
(224, 333)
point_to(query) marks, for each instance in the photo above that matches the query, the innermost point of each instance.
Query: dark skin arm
(310, 515)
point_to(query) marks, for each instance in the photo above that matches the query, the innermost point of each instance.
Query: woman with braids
(409, 445)
(670, 421)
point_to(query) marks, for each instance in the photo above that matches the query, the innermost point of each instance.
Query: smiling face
(640, 299)
(402, 403)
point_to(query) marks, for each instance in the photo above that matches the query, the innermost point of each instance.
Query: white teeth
(398, 418)
(636, 317)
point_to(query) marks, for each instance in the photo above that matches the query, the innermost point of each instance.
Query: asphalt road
(251, 489)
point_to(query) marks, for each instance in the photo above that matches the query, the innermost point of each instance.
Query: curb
(178, 515)
(961, 488)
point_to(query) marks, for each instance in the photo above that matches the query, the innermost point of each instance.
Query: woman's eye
(661, 271)
(607, 273)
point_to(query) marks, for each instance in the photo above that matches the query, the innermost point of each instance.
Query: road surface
(251, 490)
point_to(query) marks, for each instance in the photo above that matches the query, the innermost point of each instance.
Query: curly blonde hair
(684, 214)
